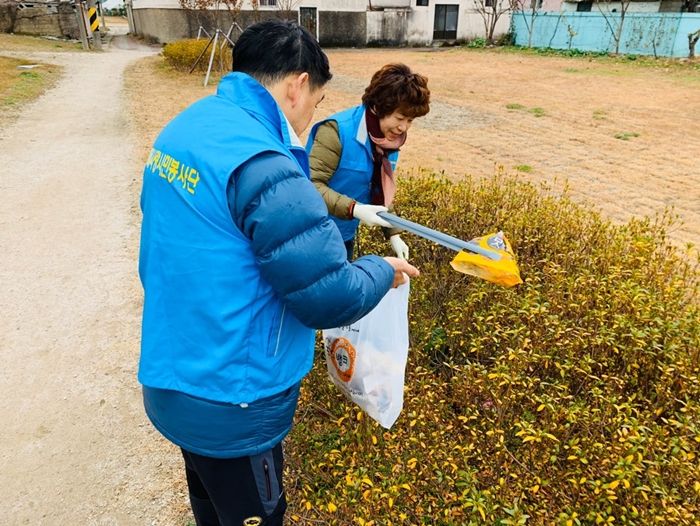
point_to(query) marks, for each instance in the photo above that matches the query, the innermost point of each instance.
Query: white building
(334, 22)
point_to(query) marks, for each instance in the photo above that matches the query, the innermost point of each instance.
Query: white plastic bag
(367, 360)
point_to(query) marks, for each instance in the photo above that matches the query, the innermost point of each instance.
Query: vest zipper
(268, 484)
(279, 330)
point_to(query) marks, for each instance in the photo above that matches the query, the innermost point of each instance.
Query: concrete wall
(671, 6)
(660, 34)
(50, 19)
(342, 28)
(340, 22)
(343, 6)
(166, 25)
(470, 24)
(8, 14)
(388, 27)
(326, 5)
(612, 7)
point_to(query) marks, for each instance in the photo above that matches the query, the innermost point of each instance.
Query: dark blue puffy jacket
(238, 269)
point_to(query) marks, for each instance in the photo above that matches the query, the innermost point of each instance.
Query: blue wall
(641, 32)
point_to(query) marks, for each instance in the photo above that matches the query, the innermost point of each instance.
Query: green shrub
(506, 39)
(571, 399)
(182, 54)
(477, 42)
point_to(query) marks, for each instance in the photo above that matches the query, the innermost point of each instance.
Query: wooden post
(211, 57)
(81, 24)
(130, 17)
(102, 15)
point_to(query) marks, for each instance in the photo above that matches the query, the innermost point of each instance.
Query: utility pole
(100, 4)
(81, 24)
(94, 25)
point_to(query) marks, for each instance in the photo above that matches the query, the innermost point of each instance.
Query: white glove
(400, 248)
(368, 214)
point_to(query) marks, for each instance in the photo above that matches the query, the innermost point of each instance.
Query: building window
(584, 6)
(421, 3)
(489, 3)
(445, 27)
(268, 2)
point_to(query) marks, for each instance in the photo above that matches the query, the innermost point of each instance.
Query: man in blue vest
(240, 263)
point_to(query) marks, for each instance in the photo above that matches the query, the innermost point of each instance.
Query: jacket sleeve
(323, 161)
(298, 247)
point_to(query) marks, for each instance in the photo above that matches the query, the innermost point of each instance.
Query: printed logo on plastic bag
(343, 358)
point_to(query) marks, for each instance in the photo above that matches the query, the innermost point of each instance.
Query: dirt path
(75, 446)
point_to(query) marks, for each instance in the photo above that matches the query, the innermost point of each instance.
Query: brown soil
(585, 105)
(624, 136)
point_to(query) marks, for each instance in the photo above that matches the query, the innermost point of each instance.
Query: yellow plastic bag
(502, 272)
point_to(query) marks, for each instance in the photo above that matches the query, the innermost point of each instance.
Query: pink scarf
(383, 147)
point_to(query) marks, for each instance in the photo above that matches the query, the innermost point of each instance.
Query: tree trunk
(492, 29)
(692, 40)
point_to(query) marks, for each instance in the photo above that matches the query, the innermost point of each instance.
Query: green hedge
(571, 399)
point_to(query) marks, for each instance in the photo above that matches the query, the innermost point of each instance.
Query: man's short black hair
(271, 50)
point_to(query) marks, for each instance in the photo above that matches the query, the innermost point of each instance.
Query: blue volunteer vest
(212, 327)
(353, 177)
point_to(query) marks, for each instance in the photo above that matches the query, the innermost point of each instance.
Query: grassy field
(19, 86)
(30, 43)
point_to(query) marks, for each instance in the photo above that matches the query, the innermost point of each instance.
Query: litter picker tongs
(440, 238)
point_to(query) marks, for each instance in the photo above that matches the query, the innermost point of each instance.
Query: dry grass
(584, 103)
(19, 86)
(29, 43)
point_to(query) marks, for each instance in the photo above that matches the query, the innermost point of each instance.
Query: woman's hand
(368, 214)
(400, 248)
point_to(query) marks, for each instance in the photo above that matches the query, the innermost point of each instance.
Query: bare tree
(255, 5)
(233, 7)
(196, 7)
(519, 5)
(692, 40)
(615, 20)
(287, 8)
(491, 11)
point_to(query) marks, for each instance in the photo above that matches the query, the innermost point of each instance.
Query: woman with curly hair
(353, 153)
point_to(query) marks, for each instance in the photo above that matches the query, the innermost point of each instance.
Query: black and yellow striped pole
(94, 24)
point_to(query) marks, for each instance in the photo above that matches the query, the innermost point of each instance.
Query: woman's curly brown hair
(396, 88)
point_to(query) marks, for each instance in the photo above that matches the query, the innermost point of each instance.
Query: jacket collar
(362, 135)
(247, 93)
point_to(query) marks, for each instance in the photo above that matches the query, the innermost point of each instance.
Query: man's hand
(400, 248)
(368, 214)
(402, 269)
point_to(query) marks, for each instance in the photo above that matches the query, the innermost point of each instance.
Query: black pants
(244, 491)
